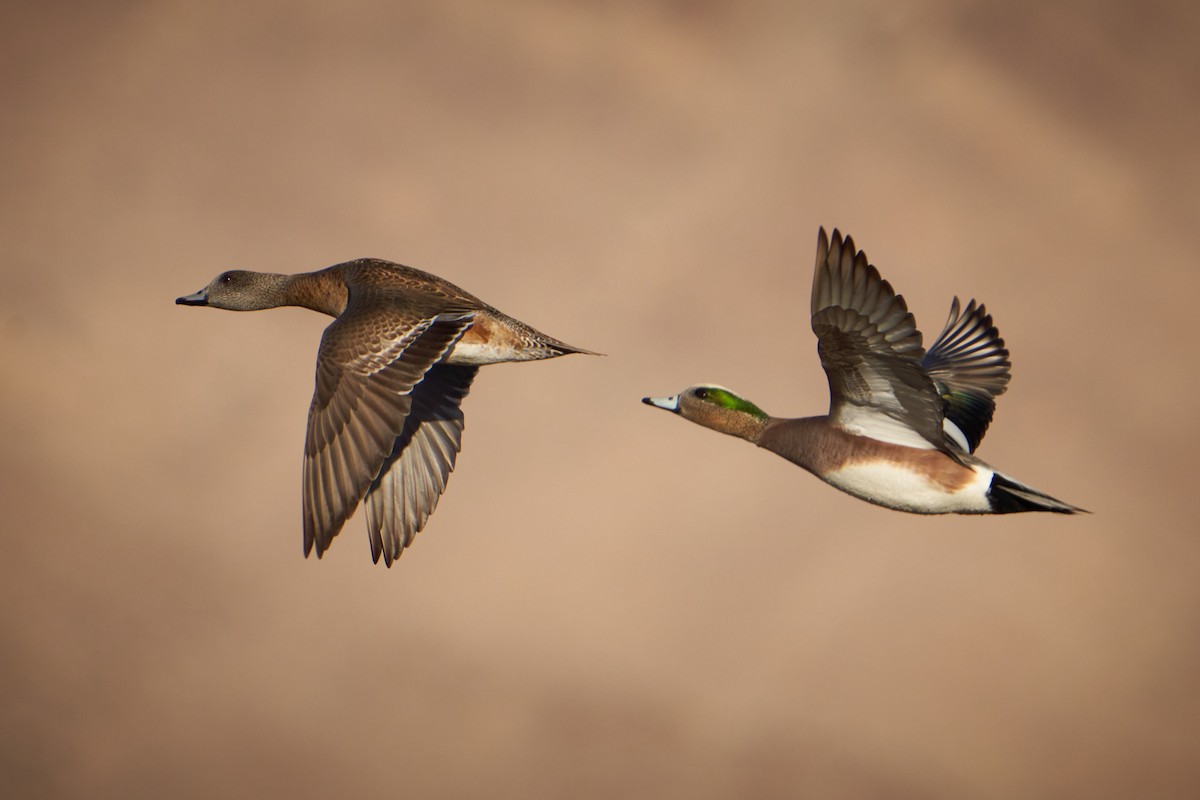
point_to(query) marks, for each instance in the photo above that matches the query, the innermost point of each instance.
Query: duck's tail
(1008, 496)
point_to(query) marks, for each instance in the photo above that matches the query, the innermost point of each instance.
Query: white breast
(891, 485)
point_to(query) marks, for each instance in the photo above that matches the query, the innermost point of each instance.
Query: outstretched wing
(414, 475)
(871, 351)
(367, 368)
(970, 368)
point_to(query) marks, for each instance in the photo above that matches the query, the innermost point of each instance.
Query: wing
(970, 368)
(871, 351)
(368, 364)
(406, 491)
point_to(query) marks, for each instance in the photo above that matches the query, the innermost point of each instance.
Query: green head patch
(724, 398)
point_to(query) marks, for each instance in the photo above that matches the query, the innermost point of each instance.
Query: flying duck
(903, 422)
(385, 425)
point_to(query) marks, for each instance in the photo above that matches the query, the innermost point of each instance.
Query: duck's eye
(701, 394)
(227, 277)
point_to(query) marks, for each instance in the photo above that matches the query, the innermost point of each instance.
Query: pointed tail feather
(1008, 496)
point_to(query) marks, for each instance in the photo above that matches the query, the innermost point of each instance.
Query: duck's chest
(934, 484)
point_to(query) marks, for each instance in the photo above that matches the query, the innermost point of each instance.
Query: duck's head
(715, 407)
(239, 290)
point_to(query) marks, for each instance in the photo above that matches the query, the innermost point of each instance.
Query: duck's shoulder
(377, 275)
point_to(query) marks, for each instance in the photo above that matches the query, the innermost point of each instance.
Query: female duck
(385, 424)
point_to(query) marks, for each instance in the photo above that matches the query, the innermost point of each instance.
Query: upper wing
(871, 350)
(371, 357)
(970, 368)
(414, 474)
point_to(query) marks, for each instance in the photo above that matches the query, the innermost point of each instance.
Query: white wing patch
(955, 433)
(873, 424)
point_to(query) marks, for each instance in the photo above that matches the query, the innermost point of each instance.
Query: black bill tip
(196, 299)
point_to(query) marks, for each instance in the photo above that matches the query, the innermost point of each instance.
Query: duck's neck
(324, 291)
(809, 442)
(735, 422)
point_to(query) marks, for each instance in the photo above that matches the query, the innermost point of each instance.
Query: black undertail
(1006, 496)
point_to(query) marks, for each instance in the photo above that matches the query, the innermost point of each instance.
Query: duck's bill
(199, 298)
(668, 403)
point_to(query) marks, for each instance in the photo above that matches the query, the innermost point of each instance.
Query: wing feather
(970, 368)
(367, 369)
(871, 349)
(406, 491)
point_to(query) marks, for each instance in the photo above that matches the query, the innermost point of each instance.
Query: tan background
(609, 602)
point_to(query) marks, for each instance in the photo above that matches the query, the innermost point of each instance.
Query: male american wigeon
(392, 369)
(903, 422)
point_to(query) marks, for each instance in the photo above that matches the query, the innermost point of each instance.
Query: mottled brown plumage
(392, 369)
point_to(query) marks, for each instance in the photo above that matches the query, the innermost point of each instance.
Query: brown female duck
(385, 425)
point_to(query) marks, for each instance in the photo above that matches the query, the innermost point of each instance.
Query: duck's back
(493, 337)
(376, 274)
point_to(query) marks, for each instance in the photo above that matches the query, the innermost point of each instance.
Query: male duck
(903, 422)
(392, 369)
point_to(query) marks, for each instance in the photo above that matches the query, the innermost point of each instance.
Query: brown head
(715, 407)
(241, 290)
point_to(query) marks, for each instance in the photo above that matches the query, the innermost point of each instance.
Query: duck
(385, 425)
(904, 422)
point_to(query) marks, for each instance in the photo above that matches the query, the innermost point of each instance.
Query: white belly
(476, 353)
(479, 354)
(892, 486)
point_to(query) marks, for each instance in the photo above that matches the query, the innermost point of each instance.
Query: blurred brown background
(609, 602)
